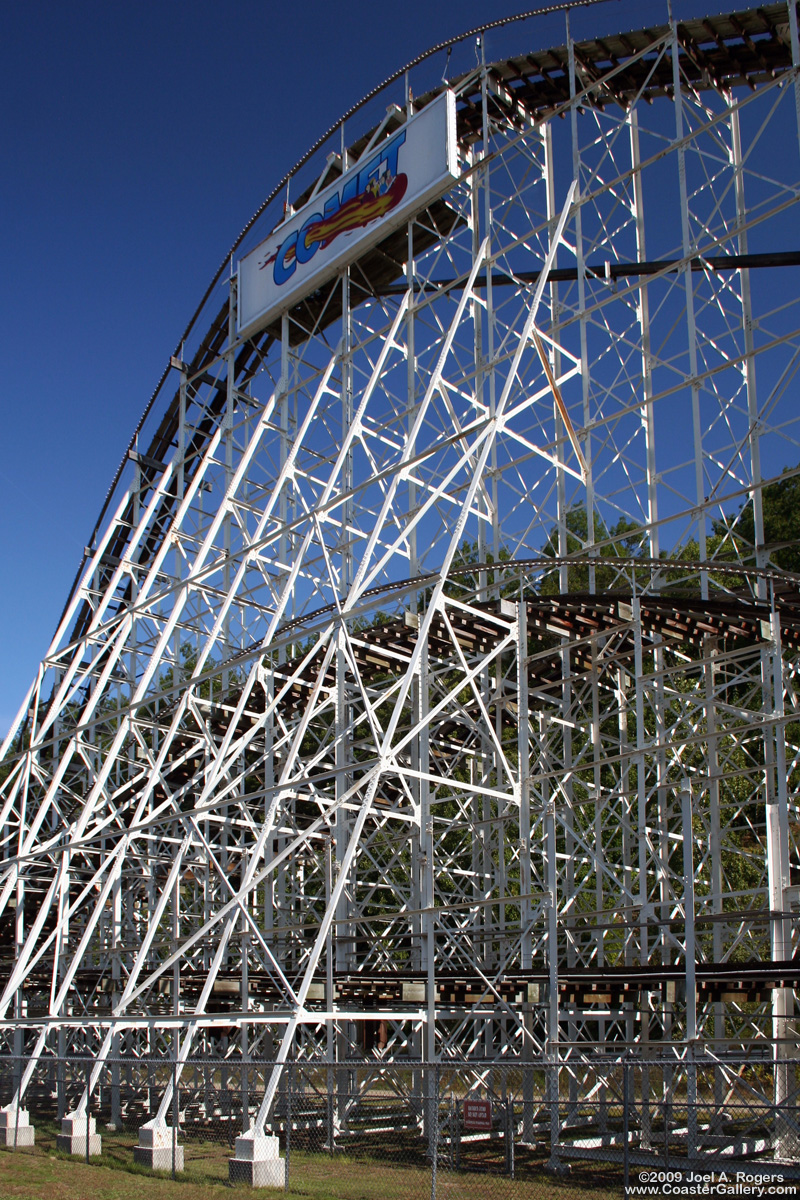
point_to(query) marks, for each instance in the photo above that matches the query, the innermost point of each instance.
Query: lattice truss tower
(425, 675)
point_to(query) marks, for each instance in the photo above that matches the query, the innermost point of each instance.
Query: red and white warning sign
(478, 1114)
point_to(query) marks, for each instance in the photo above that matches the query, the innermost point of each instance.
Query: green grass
(364, 1172)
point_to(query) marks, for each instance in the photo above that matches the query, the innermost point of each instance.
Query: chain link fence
(582, 1126)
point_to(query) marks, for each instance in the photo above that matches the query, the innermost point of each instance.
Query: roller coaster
(428, 690)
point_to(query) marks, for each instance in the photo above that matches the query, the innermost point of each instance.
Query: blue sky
(139, 138)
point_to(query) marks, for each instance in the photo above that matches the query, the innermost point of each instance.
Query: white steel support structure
(425, 624)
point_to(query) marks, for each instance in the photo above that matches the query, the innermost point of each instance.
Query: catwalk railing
(414, 1129)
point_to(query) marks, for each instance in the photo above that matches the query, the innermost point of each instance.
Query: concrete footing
(158, 1158)
(257, 1162)
(15, 1128)
(155, 1148)
(72, 1139)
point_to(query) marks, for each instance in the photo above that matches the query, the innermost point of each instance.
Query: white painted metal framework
(429, 689)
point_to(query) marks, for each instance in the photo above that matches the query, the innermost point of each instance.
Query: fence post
(691, 1106)
(16, 1111)
(288, 1127)
(88, 1107)
(175, 1112)
(447, 1124)
(552, 1088)
(331, 1081)
(666, 1125)
(510, 1136)
(61, 1076)
(116, 1109)
(505, 1136)
(625, 1127)
(434, 1125)
(667, 1075)
(457, 1118)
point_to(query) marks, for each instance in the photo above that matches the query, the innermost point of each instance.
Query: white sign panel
(379, 194)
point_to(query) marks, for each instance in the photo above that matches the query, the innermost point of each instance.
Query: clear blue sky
(138, 139)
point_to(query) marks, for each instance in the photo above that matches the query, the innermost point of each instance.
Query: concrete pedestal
(155, 1148)
(257, 1162)
(158, 1158)
(72, 1139)
(15, 1129)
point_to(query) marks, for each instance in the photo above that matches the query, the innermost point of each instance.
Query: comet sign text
(393, 180)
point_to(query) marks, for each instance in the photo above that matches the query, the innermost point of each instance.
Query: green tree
(781, 507)
(624, 540)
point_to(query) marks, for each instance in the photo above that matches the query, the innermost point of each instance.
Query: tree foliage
(781, 510)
